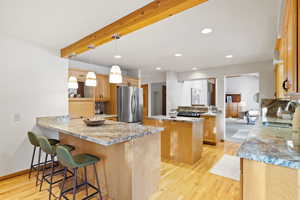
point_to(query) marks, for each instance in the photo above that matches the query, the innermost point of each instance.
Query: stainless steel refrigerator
(130, 104)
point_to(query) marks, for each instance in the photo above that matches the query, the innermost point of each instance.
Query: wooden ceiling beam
(147, 15)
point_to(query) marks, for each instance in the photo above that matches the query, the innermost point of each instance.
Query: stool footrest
(79, 186)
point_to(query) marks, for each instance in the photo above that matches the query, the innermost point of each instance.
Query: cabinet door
(79, 74)
(102, 91)
(111, 107)
(209, 130)
(289, 51)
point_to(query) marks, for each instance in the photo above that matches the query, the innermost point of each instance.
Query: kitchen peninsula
(270, 163)
(130, 154)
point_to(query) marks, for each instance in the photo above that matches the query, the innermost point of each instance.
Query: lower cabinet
(210, 135)
(180, 141)
(261, 181)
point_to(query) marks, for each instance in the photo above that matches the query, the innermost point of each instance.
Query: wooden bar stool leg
(32, 160)
(51, 178)
(74, 183)
(38, 167)
(97, 180)
(86, 182)
(63, 183)
(43, 174)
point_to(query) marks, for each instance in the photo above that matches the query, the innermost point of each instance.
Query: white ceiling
(246, 29)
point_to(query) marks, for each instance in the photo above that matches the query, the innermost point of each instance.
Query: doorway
(241, 105)
(158, 98)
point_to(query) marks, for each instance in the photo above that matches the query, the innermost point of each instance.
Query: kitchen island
(182, 139)
(270, 164)
(130, 154)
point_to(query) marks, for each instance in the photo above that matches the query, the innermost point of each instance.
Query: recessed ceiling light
(194, 68)
(229, 56)
(158, 68)
(177, 54)
(117, 56)
(206, 31)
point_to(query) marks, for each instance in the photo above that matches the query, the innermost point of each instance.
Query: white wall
(100, 69)
(87, 66)
(247, 86)
(265, 70)
(187, 88)
(266, 81)
(33, 84)
(174, 91)
(153, 77)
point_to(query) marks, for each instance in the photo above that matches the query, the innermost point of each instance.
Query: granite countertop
(210, 114)
(271, 145)
(108, 134)
(106, 115)
(180, 119)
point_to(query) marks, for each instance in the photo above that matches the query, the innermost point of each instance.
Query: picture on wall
(196, 97)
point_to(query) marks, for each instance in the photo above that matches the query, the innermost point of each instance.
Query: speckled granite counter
(106, 115)
(108, 134)
(271, 145)
(179, 119)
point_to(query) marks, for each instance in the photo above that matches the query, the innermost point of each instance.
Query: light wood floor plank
(178, 181)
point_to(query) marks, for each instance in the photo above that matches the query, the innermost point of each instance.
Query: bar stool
(75, 162)
(33, 138)
(51, 150)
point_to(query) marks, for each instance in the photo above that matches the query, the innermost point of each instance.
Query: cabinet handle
(286, 85)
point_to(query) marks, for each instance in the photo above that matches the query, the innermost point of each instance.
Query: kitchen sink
(277, 124)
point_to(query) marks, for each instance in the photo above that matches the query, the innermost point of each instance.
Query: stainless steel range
(191, 111)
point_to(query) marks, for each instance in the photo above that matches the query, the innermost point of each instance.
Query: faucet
(290, 103)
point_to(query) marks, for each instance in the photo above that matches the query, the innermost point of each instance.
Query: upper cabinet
(286, 51)
(78, 73)
(102, 90)
(129, 81)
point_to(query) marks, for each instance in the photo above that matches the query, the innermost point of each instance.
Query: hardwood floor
(178, 181)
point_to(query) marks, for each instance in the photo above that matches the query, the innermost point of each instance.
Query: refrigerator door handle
(133, 104)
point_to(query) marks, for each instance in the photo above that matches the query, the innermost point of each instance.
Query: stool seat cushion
(68, 147)
(53, 141)
(48, 148)
(68, 160)
(83, 160)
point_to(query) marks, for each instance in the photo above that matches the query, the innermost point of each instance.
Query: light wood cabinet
(102, 90)
(287, 77)
(180, 141)
(261, 181)
(78, 73)
(232, 110)
(81, 107)
(145, 100)
(210, 135)
(129, 81)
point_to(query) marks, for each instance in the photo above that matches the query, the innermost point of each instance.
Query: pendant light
(91, 79)
(72, 83)
(115, 75)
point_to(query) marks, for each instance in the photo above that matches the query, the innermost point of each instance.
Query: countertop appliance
(191, 111)
(130, 104)
(189, 114)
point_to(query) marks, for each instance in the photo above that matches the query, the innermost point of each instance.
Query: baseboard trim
(26, 171)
